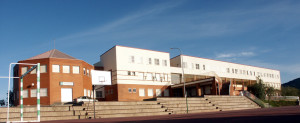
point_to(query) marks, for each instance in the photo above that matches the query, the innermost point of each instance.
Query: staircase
(178, 105)
(226, 103)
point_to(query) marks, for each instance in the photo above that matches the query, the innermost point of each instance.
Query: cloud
(233, 55)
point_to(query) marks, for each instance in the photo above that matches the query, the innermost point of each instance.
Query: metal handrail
(255, 99)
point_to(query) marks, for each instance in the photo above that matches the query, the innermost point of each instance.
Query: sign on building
(101, 77)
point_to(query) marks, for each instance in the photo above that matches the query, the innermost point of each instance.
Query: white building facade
(139, 74)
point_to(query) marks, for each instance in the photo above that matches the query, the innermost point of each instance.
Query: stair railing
(255, 99)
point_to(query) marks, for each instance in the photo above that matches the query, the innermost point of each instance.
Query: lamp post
(182, 79)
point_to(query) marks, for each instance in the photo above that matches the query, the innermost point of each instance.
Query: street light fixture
(182, 79)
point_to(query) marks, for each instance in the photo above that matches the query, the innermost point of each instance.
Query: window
(33, 71)
(88, 72)
(84, 91)
(33, 93)
(43, 68)
(166, 77)
(131, 73)
(192, 65)
(165, 63)
(134, 90)
(158, 92)
(141, 76)
(241, 72)
(44, 92)
(88, 93)
(66, 69)
(166, 92)
(149, 76)
(99, 94)
(244, 72)
(150, 92)
(232, 70)
(142, 92)
(84, 72)
(156, 61)
(149, 61)
(157, 77)
(236, 71)
(24, 70)
(55, 68)
(197, 66)
(203, 67)
(129, 90)
(228, 70)
(75, 69)
(131, 59)
(25, 93)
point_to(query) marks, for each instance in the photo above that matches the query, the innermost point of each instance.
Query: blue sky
(262, 33)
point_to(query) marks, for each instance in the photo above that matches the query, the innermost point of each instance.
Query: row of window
(56, 69)
(149, 76)
(251, 73)
(274, 85)
(43, 93)
(149, 61)
(142, 92)
(43, 69)
(193, 66)
(88, 93)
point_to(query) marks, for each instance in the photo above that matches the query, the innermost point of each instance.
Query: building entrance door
(66, 94)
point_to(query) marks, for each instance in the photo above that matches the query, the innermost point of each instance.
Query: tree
(269, 92)
(258, 89)
(11, 98)
(290, 91)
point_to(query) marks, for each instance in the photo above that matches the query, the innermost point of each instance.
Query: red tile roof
(52, 54)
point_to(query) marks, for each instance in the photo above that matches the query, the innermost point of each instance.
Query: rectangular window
(25, 93)
(66, 69)
(43, 68)
(129, 90)
(55, 68)
(236, 71)
(149, 76)
(32, 92)
(150, 92)
(228, 70)
(131, 73)
(75, 69)
(84, 72)
(197, 66)
(88, 72)
(142, 92)
(156, 61)
(33, 71)
(134, 90)
(131, 59)
(166, 77)
(43, 92)
(149, 61)
(165, 62)
(24, 70)
(88, 93)
(157, 77)
(99, 94)
(158, 92)
(84, 92)
(141, 76)
(203, 67)
(166, 92)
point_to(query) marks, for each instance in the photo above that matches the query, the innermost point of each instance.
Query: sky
(262, 33)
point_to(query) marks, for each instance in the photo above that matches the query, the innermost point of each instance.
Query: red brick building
(63, 78)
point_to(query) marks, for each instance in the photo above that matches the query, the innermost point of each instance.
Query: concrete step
(194, 111)
(183, 102)
(122, 111)
(173, 99)
(231, 103)
(122, 103)
(132, 114)
(191, 108)
(230, 109)
(34, 114)
(184, 105)
(126, 107)
(237, 106)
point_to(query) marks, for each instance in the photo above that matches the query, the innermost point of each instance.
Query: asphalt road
(290, 114)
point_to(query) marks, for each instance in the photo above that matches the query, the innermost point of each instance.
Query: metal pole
(21, 100)
(94, 101)
(8, 91)
(182, 80)
(38, 92)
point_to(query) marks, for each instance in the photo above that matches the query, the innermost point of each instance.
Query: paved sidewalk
(266, 115)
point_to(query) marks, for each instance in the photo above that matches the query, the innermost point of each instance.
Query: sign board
(66, 83)
(101, 77)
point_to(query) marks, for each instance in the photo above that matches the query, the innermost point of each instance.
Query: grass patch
(282, 103)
